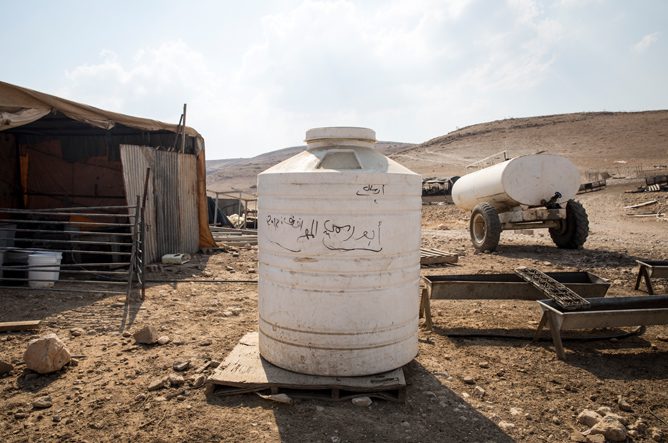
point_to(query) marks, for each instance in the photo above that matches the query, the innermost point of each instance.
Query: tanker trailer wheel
(574, 229)
(485, 227)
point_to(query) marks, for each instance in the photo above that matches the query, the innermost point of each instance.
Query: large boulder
(46, 354)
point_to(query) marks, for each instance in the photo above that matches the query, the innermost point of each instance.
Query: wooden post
(215, 211)
(183, 129)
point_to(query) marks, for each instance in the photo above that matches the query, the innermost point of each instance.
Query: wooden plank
(640, 205)
(243, 370)
(25, 325)
(429, 256)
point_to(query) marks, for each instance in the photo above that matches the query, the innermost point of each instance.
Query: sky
(257, 74)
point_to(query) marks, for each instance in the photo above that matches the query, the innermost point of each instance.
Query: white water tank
(339, 258)
(524, 180)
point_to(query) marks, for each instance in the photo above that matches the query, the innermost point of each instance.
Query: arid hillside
(614, 141)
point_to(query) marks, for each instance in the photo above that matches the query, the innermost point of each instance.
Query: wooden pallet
(429, 256)
(244, 371)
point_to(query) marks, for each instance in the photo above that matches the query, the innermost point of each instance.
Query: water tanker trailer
(527, 192)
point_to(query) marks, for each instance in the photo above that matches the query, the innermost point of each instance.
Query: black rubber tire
(574, 230)
(485, 227)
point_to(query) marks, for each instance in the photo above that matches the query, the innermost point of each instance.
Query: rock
(604, 410)
(140, 397)
(506, 426)
(181, 366)
(588, 417)
(468, 380)
(126, 334)
(596, 438)
(611, 428)
(662, 337)
(42, 402)
(76, 332)
(617, 417)
(163, 340)
(639, 425)
(56, 418)
(656, 434)
(176, 380)
(46, 354)
(158, 383)
(578, 436)
(484, 364)
(20, 415)
(431, 394)
(623, 404)
(251, 270)
(556, 420)
(213, 364)
(405, 424)
(515, 411)
(362, 401)
(198, 381)
(478, 392)
(205, 342)
(319, 408)
(5, 367)
(228, 314)
(147, 335)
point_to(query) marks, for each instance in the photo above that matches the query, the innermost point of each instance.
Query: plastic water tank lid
(341, 133)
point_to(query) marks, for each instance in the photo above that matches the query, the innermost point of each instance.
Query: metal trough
(603, 312)
(508, 286)
(651, 269)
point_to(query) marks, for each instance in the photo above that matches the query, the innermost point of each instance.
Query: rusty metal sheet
(188, 214)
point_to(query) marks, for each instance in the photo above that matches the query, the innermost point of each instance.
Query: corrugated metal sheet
(171, 211)
(136, 159)
(188, 215)
(167, 211)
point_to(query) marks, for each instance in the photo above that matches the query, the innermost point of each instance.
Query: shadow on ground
(431, 412)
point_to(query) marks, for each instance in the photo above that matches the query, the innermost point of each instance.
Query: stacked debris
(658, 183)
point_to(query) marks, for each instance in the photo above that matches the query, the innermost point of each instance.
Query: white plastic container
(522, 180)
(339, 258)
(44, 268)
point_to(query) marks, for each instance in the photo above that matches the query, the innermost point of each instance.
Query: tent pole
(183, 134)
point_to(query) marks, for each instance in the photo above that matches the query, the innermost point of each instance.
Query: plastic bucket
(44, 269)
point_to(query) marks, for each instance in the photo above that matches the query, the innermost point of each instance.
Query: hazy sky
(257, 74)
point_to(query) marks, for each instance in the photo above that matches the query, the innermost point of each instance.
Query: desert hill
(621, 143)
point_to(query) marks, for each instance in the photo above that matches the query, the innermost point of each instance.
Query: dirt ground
(514, 391)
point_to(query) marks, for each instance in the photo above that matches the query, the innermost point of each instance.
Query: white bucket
(41, 275)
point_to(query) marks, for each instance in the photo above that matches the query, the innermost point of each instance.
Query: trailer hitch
(552, 203)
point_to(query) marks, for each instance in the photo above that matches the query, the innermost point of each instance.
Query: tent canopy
(21, 106)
